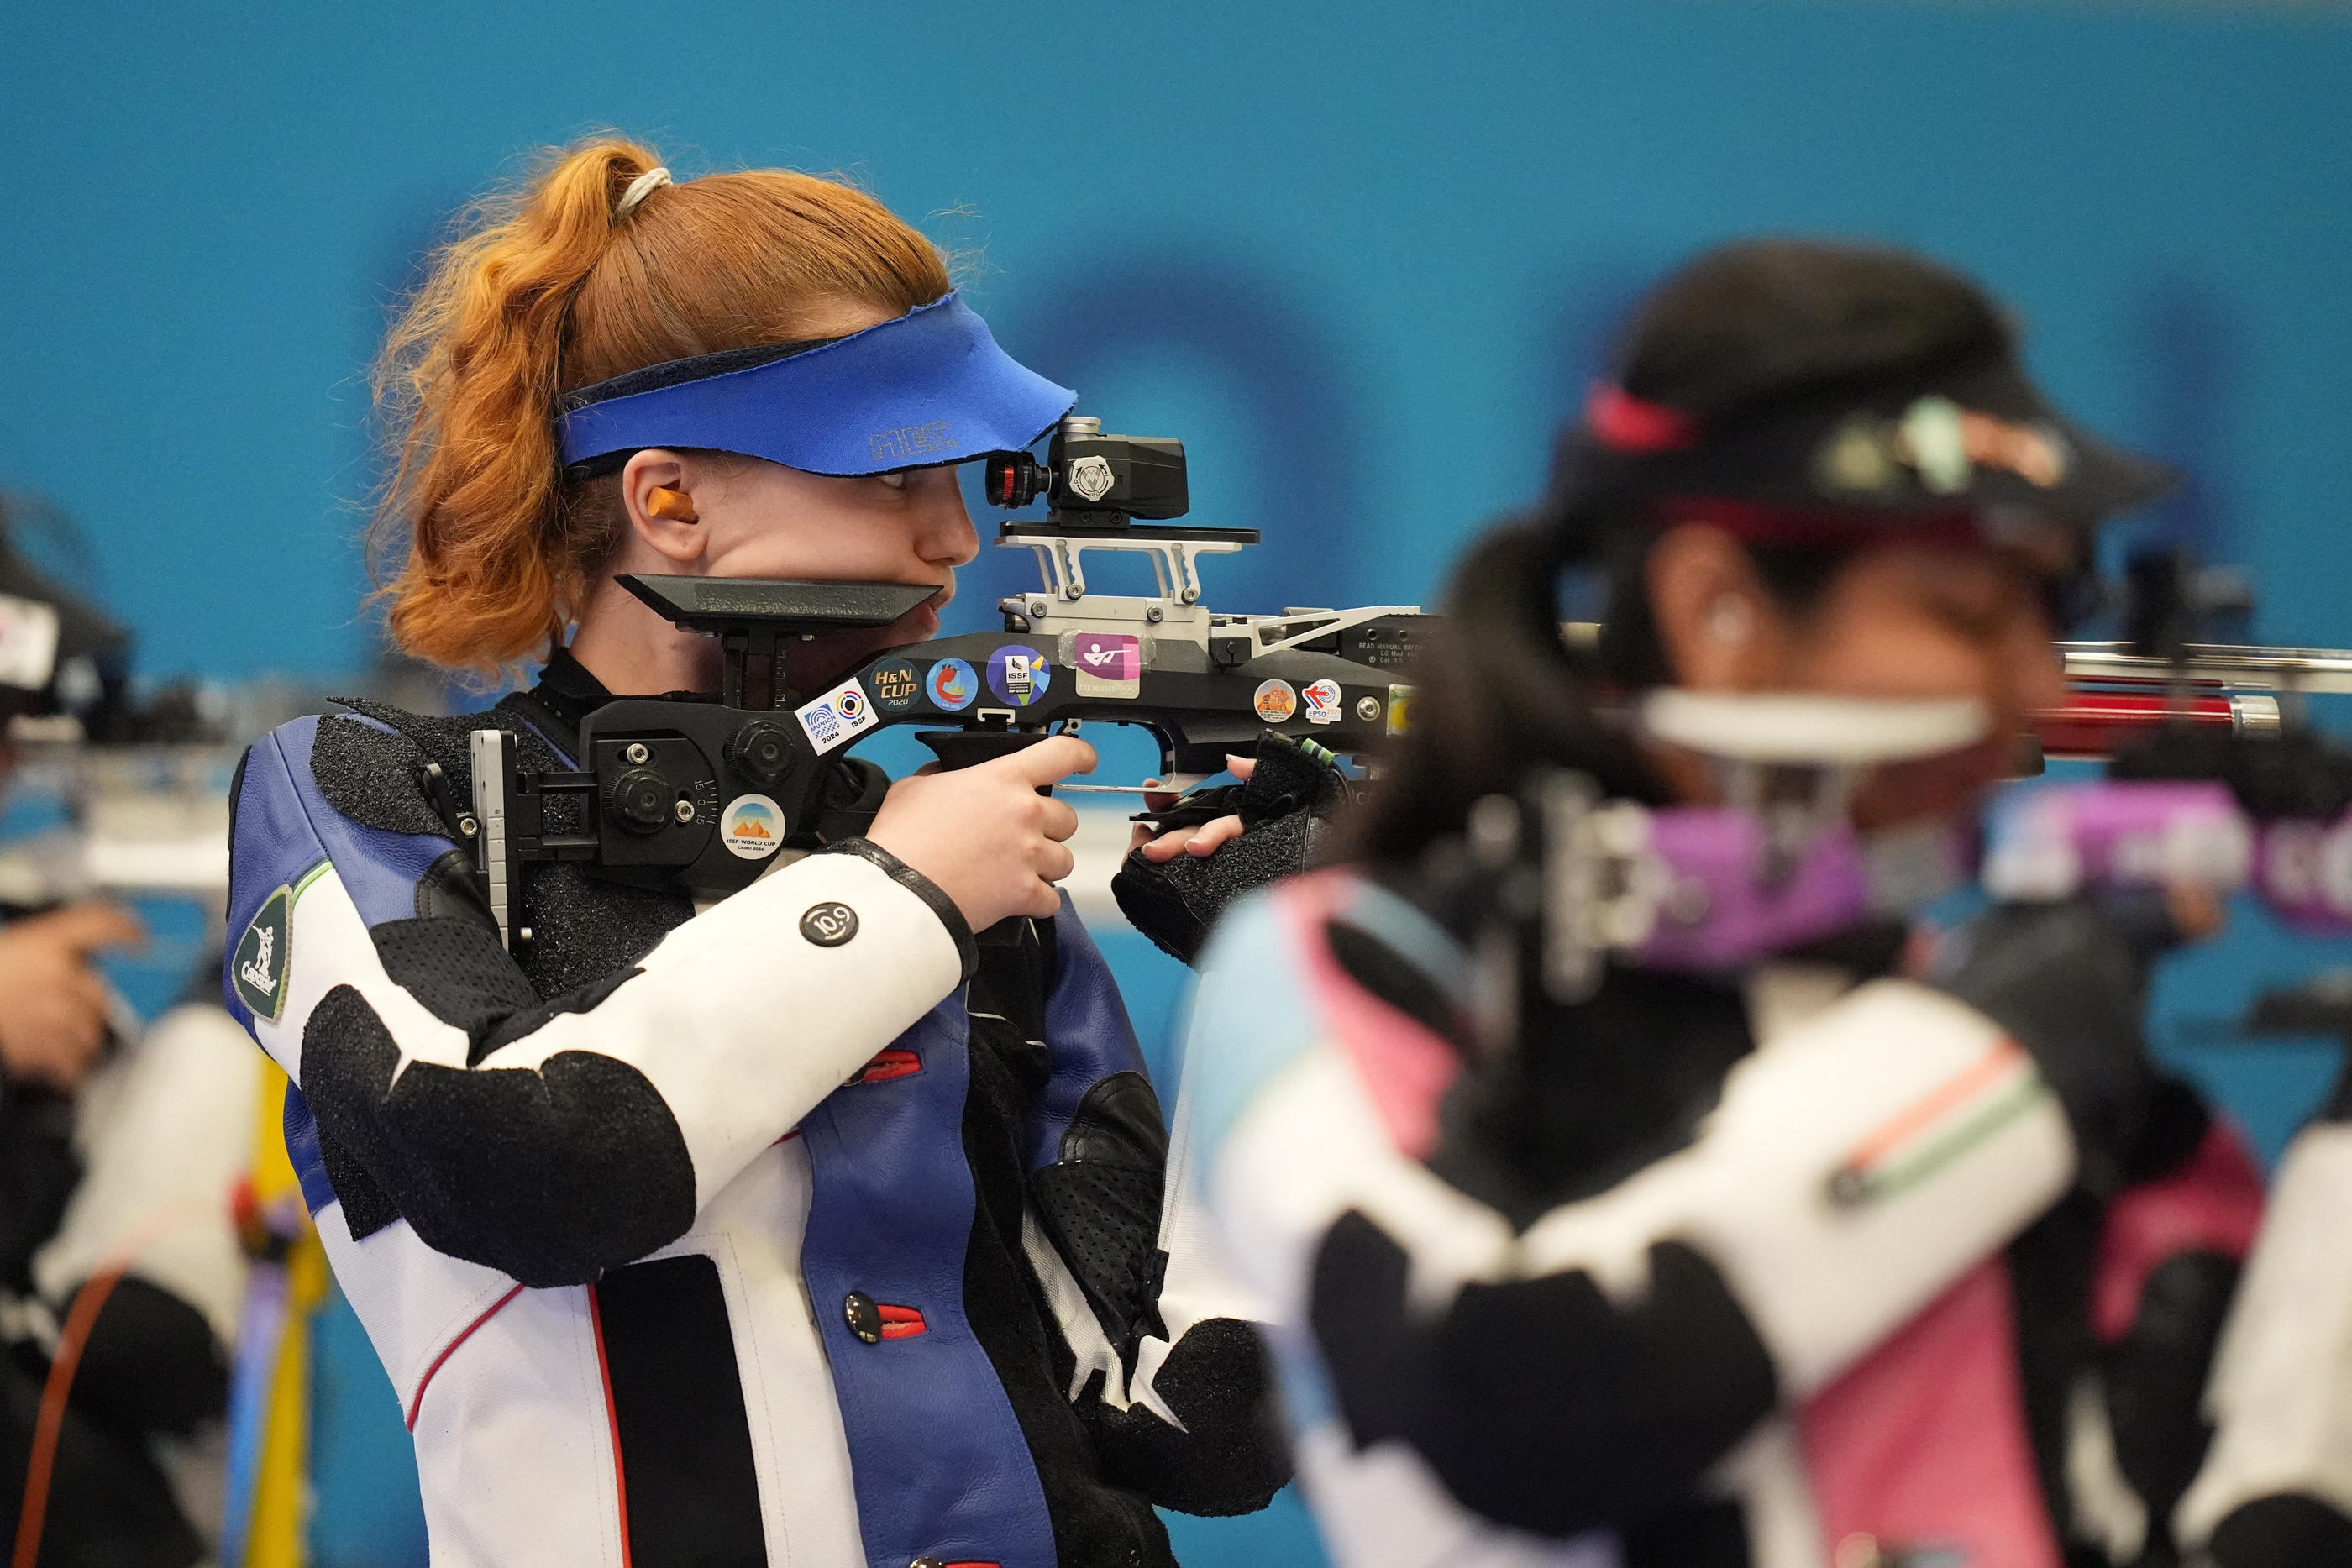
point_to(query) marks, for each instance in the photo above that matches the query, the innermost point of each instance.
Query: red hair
(548, 292)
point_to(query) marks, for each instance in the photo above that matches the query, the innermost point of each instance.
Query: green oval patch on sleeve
(265, 953)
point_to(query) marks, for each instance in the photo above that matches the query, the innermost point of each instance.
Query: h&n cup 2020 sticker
(952, 686)
(836, 716)
(1276, 701)
(895, 686)
(753, 827)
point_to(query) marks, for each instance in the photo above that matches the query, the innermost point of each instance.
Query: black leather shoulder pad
(1099, 1203)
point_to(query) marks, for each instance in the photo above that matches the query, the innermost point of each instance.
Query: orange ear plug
(674, 504)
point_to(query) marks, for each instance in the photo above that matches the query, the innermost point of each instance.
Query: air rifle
(699, 794)
(2211, 784)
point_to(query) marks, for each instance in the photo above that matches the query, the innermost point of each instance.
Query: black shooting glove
(1286, 810)
(2069, 982)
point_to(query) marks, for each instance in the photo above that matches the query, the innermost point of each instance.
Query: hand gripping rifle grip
(958, 748)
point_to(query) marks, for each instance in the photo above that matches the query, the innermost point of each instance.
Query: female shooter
(1618, 1208)
(804, 1226)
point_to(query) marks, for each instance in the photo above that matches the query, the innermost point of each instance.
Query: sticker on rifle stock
(1276, 701)
(753, 827)
(896, 687)
(952, 686)
(1106, 665)
(837, 717)
(1322, 702)
(1400, 709)
(1019, 674)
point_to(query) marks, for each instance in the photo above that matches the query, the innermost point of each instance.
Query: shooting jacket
(805, 1229)
(1787, 1270)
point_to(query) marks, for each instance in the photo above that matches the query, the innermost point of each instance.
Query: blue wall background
(1360, 256)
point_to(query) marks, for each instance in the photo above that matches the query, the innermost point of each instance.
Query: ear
(1717, 625)
(657, 487)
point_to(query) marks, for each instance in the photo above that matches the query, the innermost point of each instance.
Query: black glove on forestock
(2070, 985)
(1285, 810)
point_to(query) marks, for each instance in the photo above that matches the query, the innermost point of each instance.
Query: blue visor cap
(928, 388)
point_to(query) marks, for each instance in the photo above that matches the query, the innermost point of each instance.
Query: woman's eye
(896, 481)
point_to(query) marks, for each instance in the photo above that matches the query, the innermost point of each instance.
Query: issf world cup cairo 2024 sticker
(895, 686)
(753, 827)
(1018, 675)
(1276, 701)
(952, 686)
(1322, 701)
(835, 717)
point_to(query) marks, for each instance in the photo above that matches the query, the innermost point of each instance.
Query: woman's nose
(943, 528)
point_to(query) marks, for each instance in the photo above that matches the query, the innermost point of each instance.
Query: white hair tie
(644, 186)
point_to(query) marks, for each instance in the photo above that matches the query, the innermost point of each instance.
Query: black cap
(1841, 388)
(1977, 439)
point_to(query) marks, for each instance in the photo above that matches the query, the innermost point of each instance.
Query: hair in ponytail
(487, 551)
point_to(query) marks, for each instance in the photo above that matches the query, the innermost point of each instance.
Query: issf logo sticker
(753, 827)
(1276, 701)
(837, 717)
(952, 686)
(1018, 675)
(1106, 665)
(895, 686)
(1322, 702)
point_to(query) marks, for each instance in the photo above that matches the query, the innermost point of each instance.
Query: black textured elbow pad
(1541, 1403)
(2289, 1530)
(551, 1174)
(1230, 1457)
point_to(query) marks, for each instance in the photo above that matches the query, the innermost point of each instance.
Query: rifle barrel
(2213, 664)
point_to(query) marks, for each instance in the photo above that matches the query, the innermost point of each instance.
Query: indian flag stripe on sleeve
(1943, 1124)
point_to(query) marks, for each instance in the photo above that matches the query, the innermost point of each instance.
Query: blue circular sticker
(1018, 675)
(951, 684)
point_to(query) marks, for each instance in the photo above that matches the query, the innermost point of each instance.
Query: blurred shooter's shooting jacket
(717, 1238)
(1780, 1269)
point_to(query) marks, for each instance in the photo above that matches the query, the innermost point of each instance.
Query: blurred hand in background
(53, 1002)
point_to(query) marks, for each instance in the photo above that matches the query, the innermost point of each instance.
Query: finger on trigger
(1050, 759)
